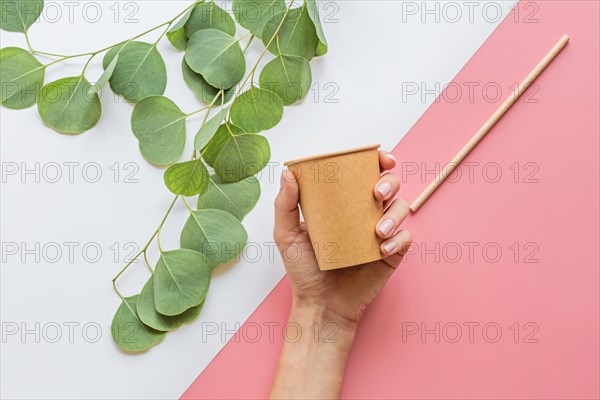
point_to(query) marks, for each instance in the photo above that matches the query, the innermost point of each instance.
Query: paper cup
(338, 205)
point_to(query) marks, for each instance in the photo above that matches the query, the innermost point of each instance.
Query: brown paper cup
(339, 208)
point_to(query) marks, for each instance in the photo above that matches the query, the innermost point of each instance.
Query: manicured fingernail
(386, 227)
(389, 247)
(385, 188)
(390, 156)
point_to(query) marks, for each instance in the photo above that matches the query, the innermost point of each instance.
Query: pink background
(550, 209)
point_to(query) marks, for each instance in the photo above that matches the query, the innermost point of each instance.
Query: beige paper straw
(489, 124)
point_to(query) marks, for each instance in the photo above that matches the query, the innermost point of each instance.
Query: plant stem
(248, 44)
(93, 53)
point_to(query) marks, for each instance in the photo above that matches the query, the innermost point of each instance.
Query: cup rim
(332, 154)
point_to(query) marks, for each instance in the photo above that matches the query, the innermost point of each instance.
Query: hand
(345, 293)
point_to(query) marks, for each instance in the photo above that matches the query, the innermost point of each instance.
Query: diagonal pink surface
(514, 254)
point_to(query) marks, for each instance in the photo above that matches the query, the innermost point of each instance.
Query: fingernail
(386, 227)
(385, 188)
(389, 247)
(390, 156)
(282, 180)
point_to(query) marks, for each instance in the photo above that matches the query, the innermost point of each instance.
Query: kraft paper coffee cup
(338, 205)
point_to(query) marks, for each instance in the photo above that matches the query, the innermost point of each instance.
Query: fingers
(387, 187)
(393, 217)
(396, 247)
(287, 214)
(386, 160)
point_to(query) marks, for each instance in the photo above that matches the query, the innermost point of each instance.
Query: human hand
(345, 293)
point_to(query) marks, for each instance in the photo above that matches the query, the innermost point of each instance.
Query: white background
(357, 99)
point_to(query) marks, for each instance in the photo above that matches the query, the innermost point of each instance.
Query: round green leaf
(21, 79)
(211, 151)
(215, 233)
(209, 16)
(129, 332)
(217, 56)
(256, 110)
(177, 35)
(253, 14)
(159, 125)
(19, 15)
(242, 156)
(297, 36)
(237, 198)
(187, 178)
(313, 13)
(201, 88)
(181, 280)
(149, 316)
(104, 77)
(209, 128)
(66, 107)
(289, 77)
(140, 71)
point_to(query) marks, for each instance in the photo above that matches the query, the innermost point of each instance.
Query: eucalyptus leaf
(215, 233)
(237, 198)
(296, 37)
(211, 151)
(187, 178)
(140, 71)
(201, 88)
(313, 13)
(104, 77)
(217, 56)
(21, 79)
(242, 156)
(152, 318)
(209, 128)
(129, 332)
(210, 16)
(176, 35)
(289, 77)
(256, 110)
(66, 107)
(159, 125)
(181, 280)
(19, 15)
(253, 14)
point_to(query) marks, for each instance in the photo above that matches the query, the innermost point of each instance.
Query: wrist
(321, 324)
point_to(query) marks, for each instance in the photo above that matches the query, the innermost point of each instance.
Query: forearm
(312, 363)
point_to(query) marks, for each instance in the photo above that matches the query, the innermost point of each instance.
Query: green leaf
(104, 77)
(215, 233)
(297, 36)
(140, 71)
(66, 107)
(187, 178)
(256, 110)
(19, 15)
(253, 14)
(177, 35)
(159, 125)
(149, 316)
(210, 16)
(21, 79)
(181, 280)
(209, 128)
(289, 77)
(129, 332)
(313, 13)
(211, 151)
(237, 198)
(217, 56)
(201, 88)
(242, 156)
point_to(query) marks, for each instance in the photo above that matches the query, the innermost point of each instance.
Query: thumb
(287, 214)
